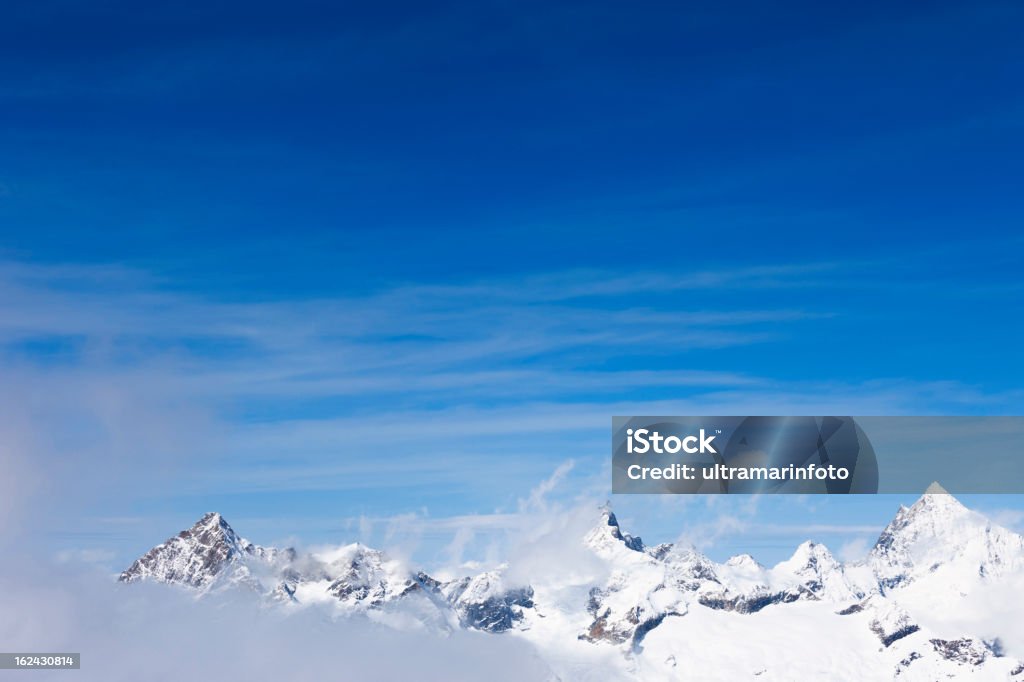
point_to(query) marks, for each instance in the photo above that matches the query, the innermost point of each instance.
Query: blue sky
(345, 271)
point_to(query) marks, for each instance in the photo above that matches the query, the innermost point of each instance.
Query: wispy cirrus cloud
(123, 385)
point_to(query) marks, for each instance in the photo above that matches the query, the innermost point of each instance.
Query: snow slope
(934, 599)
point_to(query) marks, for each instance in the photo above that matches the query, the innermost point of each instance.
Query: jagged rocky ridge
(211, 556)
(932, 546)
(208, 551)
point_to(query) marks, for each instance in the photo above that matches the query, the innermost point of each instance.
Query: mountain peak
(937, 533)
(936, 499)
(210, 518)
(212, 529)
(198, 555)
(811, 548)
(743, 561)
(608, 534)
(928, 515)
(811, 556)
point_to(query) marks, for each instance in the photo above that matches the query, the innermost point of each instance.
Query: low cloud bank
(150, 632)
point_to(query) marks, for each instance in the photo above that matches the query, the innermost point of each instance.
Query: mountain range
(668, 611)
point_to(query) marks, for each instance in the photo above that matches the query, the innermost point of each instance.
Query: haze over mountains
(918, 606)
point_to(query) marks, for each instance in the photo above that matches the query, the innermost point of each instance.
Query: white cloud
(170, 393)
(855, 549)
(1008, 518)
(85, 556)
(152, 633)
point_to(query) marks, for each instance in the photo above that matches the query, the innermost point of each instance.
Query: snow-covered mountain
(669, 611)
(207, 553)
(210, 556)
(940, 541)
